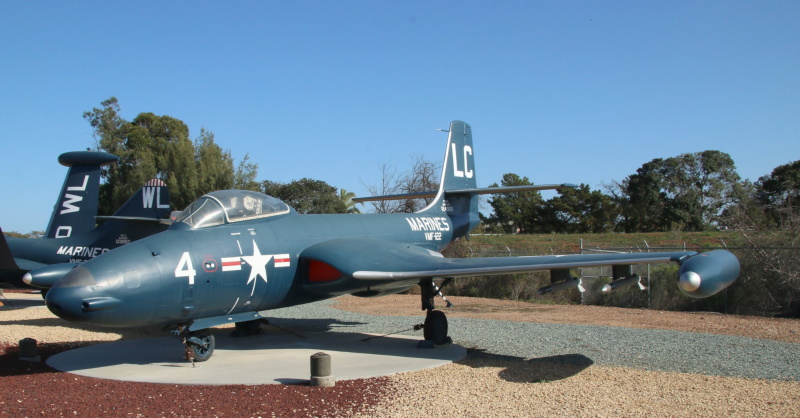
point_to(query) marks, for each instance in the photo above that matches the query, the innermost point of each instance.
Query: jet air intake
(705, 274)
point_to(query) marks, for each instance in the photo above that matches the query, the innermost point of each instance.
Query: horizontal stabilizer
(420, 195)
(475, 191)
(514, 189)
(134, 219)
(88, 158)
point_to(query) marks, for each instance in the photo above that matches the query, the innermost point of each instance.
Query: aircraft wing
(382, 261)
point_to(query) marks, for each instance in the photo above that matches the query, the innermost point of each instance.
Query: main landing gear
(435, 327)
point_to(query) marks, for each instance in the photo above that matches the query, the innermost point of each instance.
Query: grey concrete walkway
(272, 358)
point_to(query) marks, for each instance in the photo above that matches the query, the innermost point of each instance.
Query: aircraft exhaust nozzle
(705, 274)
(627, 281)
(47, 276)
(559, 286)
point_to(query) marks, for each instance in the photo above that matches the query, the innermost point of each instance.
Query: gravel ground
(515, 367)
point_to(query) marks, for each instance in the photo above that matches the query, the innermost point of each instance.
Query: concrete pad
(272, 358)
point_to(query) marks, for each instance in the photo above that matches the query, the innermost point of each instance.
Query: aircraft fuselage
(183, 274)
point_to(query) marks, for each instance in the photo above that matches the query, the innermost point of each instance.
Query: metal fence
(755, 293)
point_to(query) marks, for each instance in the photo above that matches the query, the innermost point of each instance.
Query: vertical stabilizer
(141, 215)
(458, 174)
(151, 201)
(77, 203)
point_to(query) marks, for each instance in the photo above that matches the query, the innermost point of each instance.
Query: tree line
(689, 192)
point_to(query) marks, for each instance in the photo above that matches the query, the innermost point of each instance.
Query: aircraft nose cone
(65, 299)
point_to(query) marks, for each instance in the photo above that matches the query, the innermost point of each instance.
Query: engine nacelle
(705, 274)
(47, 276)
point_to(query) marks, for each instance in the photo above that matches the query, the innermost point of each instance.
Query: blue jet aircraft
(233, 253)
(72, 236)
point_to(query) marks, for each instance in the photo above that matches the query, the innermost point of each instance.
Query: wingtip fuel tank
(706, 274)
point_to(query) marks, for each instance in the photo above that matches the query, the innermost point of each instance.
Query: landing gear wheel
(201, 345)
(436, 328)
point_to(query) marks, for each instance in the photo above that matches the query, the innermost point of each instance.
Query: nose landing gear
(199, 345)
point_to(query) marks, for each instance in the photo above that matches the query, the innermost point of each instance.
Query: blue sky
(558, 91)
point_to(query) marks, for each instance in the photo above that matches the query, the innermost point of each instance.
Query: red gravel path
(34, 389)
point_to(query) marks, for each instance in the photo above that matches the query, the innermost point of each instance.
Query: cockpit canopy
(228, 206)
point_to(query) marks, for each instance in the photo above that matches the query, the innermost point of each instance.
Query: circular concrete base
(272, 358)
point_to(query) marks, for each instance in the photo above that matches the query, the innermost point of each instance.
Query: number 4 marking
(185, 268)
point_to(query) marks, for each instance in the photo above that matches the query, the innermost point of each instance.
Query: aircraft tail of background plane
(77, 203)
(6, 259)
(151, 202)
(149, 208)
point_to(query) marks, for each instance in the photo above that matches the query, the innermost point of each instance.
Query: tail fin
(458, 179)
(6, 258)
(151, 202)
(458, 192)
(77, 203)
(458, 170)
(457, 196)
(144, 214)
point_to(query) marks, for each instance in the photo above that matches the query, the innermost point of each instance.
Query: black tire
(204, 350)
(436, 327)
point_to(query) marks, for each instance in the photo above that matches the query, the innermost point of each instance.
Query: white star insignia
(258, 263)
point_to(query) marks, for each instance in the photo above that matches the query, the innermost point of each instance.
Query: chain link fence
(756, 292)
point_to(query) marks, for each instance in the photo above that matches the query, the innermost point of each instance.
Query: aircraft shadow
(10, 302)
(536, 370)
(300, 325)
(58, 322)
